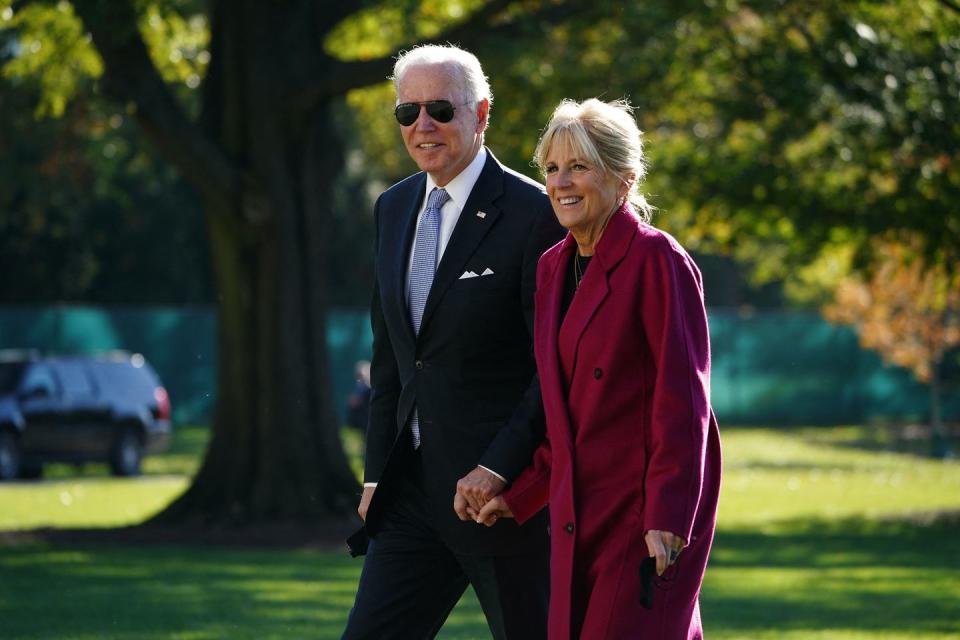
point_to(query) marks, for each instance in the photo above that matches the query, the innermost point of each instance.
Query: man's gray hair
(470, 80)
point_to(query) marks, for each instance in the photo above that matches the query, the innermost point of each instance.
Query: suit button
(598, 373)
(569, 527)
(419, 365)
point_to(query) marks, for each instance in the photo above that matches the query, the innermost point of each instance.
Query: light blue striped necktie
(421, 273)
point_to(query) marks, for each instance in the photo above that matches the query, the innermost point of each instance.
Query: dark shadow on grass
(160, 592)
(925, 540)
(857, 574)
(205, 593)
(328, 536)
(907, 439)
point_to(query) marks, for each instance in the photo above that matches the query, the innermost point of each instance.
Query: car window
(10, 376)
(74, 379)
(124, 379)
(39, 378)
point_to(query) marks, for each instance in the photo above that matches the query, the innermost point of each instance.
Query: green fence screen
(770, 367)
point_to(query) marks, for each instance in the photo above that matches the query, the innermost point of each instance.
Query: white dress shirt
(459, 190)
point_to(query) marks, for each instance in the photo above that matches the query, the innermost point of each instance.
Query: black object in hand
(648, 569)
(358, 542)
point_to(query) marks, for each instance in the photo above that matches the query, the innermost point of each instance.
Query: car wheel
(127, 454)
(9, 456)
(30, 470)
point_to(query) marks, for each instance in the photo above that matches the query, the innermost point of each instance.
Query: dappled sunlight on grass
(85, 502)
(819, 538)
(775, 475)
(89, 496)
(183, 593)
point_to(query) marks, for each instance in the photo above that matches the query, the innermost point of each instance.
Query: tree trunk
(939, 441)
(275, 451)
(264, 156)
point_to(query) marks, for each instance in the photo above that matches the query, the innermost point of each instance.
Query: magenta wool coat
(632, 443)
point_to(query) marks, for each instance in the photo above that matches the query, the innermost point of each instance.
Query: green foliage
(178, 45)
(89, 214)
(381, 29)
(52, 50)
(784, 134)
(809, 123)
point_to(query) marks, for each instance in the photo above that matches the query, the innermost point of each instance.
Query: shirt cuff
(493, 472)
(369, 484)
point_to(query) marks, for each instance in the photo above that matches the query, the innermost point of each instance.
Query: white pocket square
(468, 274)
(487, 272)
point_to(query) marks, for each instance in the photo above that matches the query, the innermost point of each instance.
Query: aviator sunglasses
(440, 110)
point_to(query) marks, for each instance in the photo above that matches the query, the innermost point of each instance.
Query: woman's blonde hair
(606, 135)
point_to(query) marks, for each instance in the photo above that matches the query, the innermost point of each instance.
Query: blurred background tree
(784, 136)
(907, 309)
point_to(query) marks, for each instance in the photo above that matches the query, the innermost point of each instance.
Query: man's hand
(365, 499)
(493, 511)
(474, 490)
(665, 547)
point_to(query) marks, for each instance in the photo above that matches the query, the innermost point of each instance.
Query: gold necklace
(577, 270)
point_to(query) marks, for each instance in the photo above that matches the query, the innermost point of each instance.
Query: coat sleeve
(675, 324)
(511, 450)
(530, 492)
(384, 383)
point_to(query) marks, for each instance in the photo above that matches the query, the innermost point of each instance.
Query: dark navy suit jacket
(470, 372)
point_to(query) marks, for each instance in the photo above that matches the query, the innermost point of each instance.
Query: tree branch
(950, 4)
(130, 76)
(335, 11)
(342, 76)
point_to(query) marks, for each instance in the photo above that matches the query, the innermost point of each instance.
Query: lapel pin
(481, 214)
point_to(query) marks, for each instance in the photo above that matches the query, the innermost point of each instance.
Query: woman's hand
(492, 511)
(665, 547)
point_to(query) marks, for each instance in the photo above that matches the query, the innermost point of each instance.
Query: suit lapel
(595, 286)
(399, 261)
(470, 230)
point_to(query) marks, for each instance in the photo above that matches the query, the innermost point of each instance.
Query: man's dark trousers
(411, 580)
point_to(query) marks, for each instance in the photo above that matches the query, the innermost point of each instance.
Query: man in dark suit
(455, 408)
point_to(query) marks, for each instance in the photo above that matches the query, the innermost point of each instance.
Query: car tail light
(163, 403)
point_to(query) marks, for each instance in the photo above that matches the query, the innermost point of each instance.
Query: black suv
(109, 408)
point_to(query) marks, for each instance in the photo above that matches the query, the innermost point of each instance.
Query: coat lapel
(595, 285)
(548, 298)
(468, 233)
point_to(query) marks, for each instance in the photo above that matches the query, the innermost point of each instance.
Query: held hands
(665, 547)
(493, 511)
(475, 490)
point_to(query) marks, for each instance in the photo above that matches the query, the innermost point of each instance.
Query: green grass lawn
(820, 537)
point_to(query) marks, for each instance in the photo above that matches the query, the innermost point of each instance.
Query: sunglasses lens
(440, 110)
(407, 113)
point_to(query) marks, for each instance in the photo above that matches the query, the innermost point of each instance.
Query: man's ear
(483, 115)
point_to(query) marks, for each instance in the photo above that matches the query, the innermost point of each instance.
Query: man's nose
(424, 121)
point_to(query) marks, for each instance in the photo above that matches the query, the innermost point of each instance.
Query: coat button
(569, 527)
(598, 373)
(419, 365)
